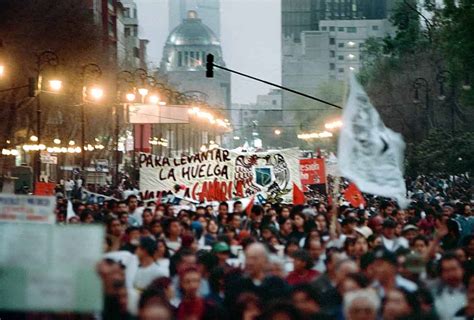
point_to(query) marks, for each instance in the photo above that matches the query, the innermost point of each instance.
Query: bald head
(256, 259)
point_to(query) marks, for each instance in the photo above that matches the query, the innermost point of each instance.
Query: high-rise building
(322, 41)
(208, 11)
(304, 15)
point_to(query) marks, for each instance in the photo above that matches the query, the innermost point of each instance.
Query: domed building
(184, 61)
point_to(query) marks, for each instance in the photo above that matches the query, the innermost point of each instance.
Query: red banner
(353, 195)
(312, 171)
(44, 189)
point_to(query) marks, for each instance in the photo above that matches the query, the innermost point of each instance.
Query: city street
(236, 159)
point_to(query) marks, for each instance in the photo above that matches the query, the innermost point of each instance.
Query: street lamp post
(44, 58)
(422, 83)
(124, 81)
(442, 77)
(90, 73)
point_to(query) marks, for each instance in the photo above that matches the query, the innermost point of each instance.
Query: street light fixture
(277, 132)
(130, 97)
(96, 93)
(45, 58)
(90, 74)
(55, 85)
(143, 92)
(154, 99)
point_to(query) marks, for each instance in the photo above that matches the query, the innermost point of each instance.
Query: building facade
(208, 11)
(184, 60)
(322, 41)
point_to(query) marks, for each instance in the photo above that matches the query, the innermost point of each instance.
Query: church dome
(192, 32)
(188, 45)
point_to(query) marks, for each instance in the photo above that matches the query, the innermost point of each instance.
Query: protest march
(227, 234)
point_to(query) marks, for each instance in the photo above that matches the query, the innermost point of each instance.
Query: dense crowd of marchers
(279, 261)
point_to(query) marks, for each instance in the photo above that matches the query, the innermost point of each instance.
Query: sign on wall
(221, 175)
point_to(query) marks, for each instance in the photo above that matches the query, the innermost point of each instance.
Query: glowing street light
(277, 132)
(130, 97)
(96, 93)
(57, 141)
(72, 142)
(55, 85)
(2, 70)
(143, 91)
(333, 125)
(34, 138)
(154, 99)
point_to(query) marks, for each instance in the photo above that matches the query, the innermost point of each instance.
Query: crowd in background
(283, 261)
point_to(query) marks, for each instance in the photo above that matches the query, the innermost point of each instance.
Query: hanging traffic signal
(210, 66)
(32, 87)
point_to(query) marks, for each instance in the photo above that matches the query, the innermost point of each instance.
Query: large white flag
(370, 154)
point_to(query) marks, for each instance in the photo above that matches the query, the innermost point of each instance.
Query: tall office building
(322, 42)
(208, 11)
(304, 15)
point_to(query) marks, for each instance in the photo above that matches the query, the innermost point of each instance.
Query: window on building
(126, 13)
(127, 32)
(341, 45)
(361, 45)
(340, 57)
(135, 31)
(186, 59)
(375, 28)
(274, 102)
(135, 13)
(324, 28)
(340, 70)
(180, 59)
(351, 29)
(340, 29)
(332, 41)
(332, 54)
(332, 28)
(136, 52)
(332, 66)
(192, 59)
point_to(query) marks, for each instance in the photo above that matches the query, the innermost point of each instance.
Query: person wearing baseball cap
(222, 251)
(385, 269)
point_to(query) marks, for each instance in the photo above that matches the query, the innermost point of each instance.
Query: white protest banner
(92, 197)
(23, 208)
(370, 154)
(222, 175)
(50, 268)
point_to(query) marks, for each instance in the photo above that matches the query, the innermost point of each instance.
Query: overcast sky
(250, 36)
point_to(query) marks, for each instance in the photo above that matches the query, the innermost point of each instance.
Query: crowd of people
(283, 261)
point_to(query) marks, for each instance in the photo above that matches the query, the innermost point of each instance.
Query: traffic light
(32, 87)
(210, 66)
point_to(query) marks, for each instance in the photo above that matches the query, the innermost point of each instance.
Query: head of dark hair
(448, 256)
(225, 204)
(130, 197)
(309, 290)
(304, 256)
(257, 210)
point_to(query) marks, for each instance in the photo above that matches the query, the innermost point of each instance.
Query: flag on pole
(354, 196)
(370, 154)
(298, 195)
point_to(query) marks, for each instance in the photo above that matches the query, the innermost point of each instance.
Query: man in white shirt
(134, 212)
(389, 239)
(148, 270)
(449, 293)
